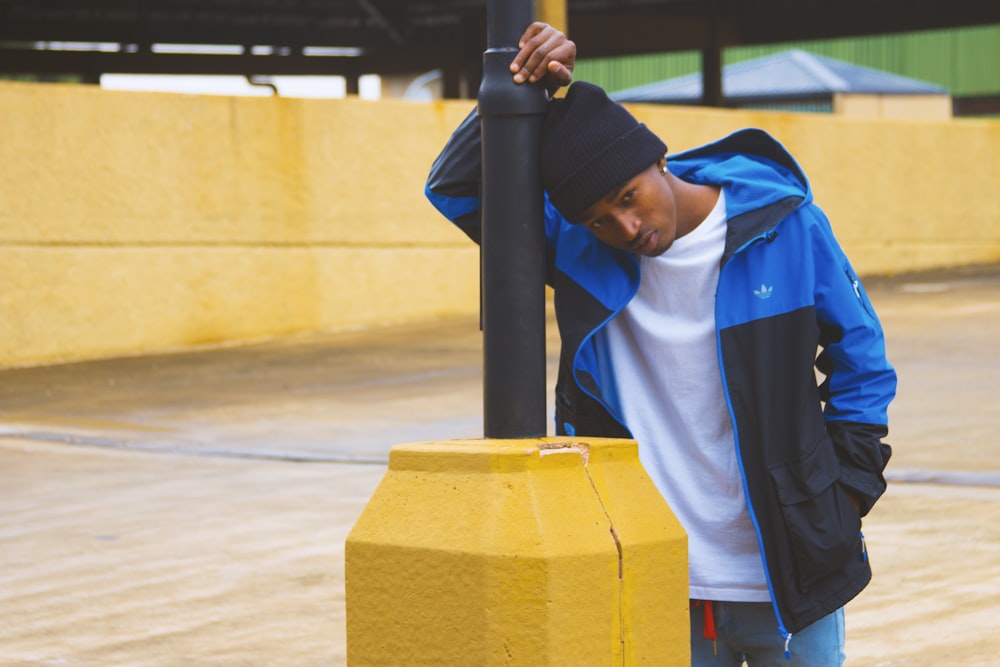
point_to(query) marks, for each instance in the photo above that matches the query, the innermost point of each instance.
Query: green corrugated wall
(965, 61)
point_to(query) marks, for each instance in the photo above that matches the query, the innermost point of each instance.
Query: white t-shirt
(663, 358)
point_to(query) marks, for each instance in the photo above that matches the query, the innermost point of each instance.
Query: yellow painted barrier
(134, 223)
(555, 551)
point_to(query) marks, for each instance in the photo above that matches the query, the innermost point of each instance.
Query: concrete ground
(191, 509)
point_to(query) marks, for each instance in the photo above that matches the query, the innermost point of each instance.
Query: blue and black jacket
(788, 304)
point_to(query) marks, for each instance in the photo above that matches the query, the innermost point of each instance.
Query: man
(692, 296)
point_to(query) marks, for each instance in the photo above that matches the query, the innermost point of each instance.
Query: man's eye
(628, 196)
(596, 223)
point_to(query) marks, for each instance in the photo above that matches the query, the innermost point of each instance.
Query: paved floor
(191, 509)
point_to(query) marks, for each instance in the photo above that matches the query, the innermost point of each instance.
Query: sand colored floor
(191, 509)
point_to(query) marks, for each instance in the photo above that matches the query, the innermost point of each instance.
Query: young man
(692, 296)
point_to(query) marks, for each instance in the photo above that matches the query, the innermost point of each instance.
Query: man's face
(640, 217)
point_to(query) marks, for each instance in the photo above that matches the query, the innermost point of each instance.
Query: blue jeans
(747, 631)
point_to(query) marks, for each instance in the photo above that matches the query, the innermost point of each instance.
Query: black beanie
(591, 145)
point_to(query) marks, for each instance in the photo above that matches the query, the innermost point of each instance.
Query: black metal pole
(513, 243)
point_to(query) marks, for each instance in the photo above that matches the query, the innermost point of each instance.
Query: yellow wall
(134, 222)
(139, 222)
(908, 107)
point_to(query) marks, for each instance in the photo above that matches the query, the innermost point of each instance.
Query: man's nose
(628, 226)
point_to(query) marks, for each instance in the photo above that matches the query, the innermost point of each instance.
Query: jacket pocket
(822, 525)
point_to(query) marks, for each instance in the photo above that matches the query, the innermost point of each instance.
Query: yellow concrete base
(556, 551)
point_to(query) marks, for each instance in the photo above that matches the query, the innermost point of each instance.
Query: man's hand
(546, 55)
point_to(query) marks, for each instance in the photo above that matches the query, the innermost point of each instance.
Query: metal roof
(792, 74)
(396, 37)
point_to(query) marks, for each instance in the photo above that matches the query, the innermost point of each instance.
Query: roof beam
(689, 27)
(179, 33)
(412, 37)
(829, 21)
(379, 18)
(387, 61)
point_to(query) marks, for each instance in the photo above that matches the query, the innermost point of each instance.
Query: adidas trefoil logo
(764, 292)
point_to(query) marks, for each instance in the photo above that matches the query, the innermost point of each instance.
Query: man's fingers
(531, 31)
(537, 65)
(559, 73)
(541, 46)
(527, 44)
(564, 55)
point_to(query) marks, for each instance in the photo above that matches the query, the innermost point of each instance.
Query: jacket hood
(755, 170)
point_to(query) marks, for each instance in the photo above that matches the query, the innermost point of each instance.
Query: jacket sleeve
(859, 382)
(453, 186)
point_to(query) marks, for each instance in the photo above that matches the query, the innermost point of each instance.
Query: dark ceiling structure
(355, 37)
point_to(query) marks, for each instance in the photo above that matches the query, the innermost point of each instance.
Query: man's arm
(860, 383)
(545, 56)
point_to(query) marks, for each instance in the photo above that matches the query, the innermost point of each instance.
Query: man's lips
(645, 243)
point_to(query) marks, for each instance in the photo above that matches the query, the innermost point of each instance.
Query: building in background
(961, 60)
(797, 80)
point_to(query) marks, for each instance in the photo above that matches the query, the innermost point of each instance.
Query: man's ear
(661, 164)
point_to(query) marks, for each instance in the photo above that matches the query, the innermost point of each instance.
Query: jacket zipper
(782, 630)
